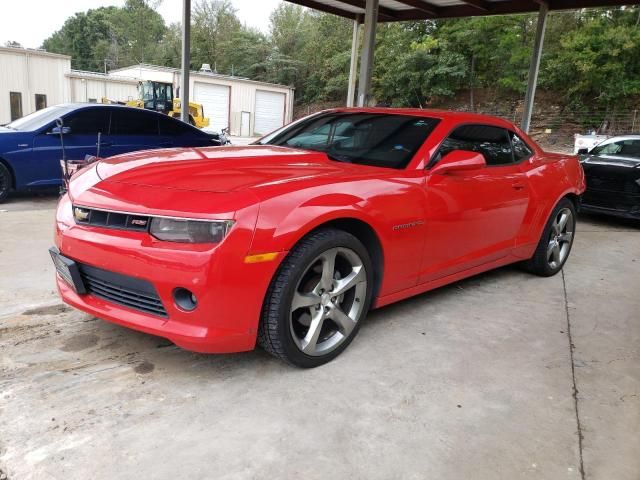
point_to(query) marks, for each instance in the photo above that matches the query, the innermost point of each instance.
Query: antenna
(65, 171)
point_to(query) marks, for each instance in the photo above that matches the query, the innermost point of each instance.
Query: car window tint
(133, 122)
(377, 139)
(492, 142)
(625, 148)
(630, 148)
(88, 121)
(172, 127)
(521, 150)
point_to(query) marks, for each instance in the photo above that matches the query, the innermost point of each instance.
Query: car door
(133, 129)
(474, 217)
(80, 139)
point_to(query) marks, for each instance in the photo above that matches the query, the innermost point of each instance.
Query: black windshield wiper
(339, 158)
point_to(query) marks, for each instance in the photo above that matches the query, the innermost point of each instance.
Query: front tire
(317, 299)
(556, 241)
(5, 182)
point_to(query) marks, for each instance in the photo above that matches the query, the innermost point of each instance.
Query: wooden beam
(383, 12)
(421, 6)
(479, 4)
(324, 8)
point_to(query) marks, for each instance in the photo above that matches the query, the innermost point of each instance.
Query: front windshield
(620, 148)
(377, 139)
(146, 91)
(37, 119)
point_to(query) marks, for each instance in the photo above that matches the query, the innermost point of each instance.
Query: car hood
(218, 169)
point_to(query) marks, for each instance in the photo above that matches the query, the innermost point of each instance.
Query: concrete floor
(474, 380)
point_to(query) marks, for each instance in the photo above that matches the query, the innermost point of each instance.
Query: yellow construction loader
(158, 96)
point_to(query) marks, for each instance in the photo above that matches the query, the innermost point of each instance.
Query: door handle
(518, 186)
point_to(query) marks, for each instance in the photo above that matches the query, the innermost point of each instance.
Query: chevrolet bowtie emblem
(81, 214)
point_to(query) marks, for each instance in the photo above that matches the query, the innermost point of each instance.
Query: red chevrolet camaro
(290, 241)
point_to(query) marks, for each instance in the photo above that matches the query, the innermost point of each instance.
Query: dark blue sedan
(30, 150)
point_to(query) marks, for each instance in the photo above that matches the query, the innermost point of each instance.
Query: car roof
(617, 138)
(70, 107)
(78, 105)
(433, 113)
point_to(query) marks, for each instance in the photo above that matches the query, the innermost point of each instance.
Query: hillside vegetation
(591, 59)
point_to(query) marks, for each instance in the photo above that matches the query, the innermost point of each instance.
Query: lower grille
(121, 289)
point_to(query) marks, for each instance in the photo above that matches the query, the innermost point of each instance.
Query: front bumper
(230, 292)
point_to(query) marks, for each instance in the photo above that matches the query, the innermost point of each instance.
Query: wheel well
(367, 235)
(13, 175)
(575, 199)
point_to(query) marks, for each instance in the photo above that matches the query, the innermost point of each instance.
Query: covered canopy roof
(399, 10)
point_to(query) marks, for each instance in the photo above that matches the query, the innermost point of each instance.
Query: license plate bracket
(68, 270)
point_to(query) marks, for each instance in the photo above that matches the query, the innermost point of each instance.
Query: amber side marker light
(261, 257)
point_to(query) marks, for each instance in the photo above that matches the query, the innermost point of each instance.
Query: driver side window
(492, 142)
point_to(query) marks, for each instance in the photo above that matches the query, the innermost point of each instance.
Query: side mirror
(459, 161)
(583, 151)
(59, 130)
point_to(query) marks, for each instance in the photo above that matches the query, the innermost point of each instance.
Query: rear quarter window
(132, 122)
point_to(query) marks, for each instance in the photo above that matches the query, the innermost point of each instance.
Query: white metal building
(30, 80)
(34, 79)
(248, 107)
(92, 87)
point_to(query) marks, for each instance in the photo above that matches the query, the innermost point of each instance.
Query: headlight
(190, 231)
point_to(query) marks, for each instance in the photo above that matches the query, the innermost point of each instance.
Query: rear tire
(317, 299)
(556, 241)
(6, 180)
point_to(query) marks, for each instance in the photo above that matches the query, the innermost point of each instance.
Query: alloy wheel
(5, 183)
(328, 301)
(561, 236)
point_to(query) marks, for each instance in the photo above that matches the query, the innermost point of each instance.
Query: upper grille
(121, 289)
(103, 218)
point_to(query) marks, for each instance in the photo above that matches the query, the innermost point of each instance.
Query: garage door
(215, 101)
(269, 111)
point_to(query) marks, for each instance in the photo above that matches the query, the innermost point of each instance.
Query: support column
(534, 67)
(368, 47)
(186, 60)
(353, 69)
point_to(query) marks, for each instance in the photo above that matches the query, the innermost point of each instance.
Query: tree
(598, 63)
(215, 25)
(119, 36)
(414, 66)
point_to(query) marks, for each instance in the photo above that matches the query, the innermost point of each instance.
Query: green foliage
(591, 56)
(117, 36)
(413, 67)
(599, 62)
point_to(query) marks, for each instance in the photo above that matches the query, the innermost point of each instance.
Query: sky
(29, 22)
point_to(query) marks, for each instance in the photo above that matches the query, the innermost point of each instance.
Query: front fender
(382, 205)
